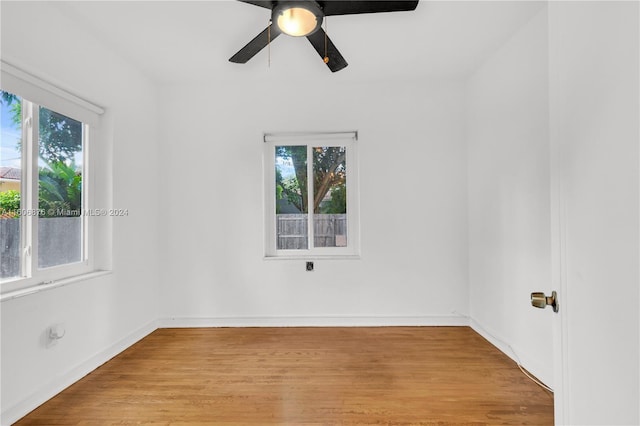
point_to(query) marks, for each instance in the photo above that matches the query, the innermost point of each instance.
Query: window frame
(310, 140)
(36, 93)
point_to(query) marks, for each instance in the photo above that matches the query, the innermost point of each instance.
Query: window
(44, 186)
(311, 195)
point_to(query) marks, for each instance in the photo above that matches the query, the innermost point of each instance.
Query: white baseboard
(55, 386)
(310, 321)
(490, 337)
(519, 357)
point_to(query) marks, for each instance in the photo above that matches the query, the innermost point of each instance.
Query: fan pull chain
(269, 45)
(326, 56)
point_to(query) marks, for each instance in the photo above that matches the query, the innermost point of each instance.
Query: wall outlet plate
(309, 266)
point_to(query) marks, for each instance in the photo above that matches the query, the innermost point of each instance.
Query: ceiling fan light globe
(297, 21)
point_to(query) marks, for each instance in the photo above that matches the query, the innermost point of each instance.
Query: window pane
(10, 185)
(59, 190)
(291, 198)
(329, 196)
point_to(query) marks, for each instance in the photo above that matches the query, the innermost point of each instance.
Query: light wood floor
(297, 376)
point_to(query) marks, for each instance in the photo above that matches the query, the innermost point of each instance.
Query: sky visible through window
(285, 165)
(9, 139)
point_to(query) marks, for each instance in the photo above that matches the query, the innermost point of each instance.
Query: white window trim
(347, 139)
(39, 92)
(43, 93)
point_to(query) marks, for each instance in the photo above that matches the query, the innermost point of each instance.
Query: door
(594, 126)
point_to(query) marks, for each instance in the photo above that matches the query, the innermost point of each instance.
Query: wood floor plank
(303, 376)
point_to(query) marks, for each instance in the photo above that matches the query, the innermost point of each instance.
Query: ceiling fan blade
(351, 7)
(336, 61)
(262, 3)
(254, 46)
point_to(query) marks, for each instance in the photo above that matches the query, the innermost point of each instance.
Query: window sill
(37, 288)
(316, 257)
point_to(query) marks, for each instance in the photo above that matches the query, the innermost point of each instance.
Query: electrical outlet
(54, 334)
(309, 266)
(57, 331)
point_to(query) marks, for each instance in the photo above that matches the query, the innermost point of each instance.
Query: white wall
(105, 314)
(595, 121)
(509, 210)
(413, 204)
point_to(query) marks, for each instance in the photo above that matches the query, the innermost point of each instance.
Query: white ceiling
(177, 41)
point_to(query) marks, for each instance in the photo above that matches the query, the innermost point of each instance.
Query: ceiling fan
(303, 18)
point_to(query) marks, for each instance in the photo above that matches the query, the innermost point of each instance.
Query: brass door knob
(539, 300)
